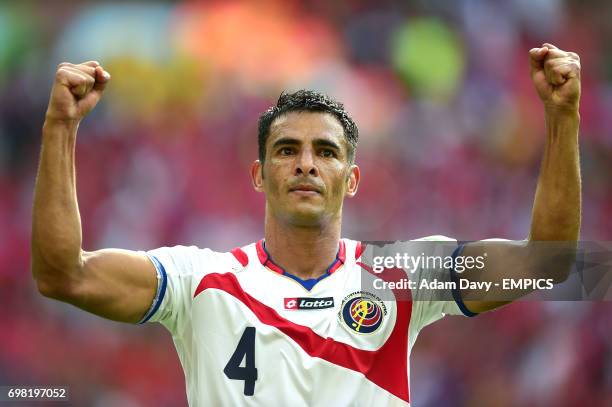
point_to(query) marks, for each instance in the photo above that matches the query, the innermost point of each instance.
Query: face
(306, 173)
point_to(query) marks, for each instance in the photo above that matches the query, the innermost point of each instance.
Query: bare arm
(115, 284)
(557, 205)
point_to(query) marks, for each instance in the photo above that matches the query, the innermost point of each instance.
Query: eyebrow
(284, 141)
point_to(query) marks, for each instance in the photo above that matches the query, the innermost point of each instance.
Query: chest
(279, 308)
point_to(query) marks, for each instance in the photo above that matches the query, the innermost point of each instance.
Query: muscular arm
(112, 283)
(549, 252)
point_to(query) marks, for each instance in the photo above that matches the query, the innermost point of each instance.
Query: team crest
(362, 312)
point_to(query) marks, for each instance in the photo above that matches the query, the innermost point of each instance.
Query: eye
(286, 151)
(327, 153)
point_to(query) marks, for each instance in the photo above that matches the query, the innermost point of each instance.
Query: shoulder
(351, 249)
(434, 238)
(359, 247)
(183, 259)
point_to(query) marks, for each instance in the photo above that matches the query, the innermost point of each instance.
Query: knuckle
(60, 73)
(86, 70)
(549, 64)
(572, 65)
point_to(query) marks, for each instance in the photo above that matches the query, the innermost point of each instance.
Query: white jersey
(249, 333)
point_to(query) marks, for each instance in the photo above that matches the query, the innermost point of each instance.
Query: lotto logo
(291, 303)
(298, 303)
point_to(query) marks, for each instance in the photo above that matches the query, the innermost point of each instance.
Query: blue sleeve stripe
(455, 279)
(161, 289)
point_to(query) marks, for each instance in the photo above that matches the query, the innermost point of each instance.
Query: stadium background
(451, 137)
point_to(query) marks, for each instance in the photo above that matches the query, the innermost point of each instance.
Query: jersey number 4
(244, 350)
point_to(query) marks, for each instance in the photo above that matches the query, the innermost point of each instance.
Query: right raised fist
(76, 90)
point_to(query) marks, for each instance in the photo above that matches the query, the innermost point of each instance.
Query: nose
(305, 164)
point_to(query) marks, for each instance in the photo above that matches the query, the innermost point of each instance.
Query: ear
(257, 175)
(353, 181)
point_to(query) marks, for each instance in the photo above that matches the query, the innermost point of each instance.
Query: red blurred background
(451, 136)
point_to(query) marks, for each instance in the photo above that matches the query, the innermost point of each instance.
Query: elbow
(561, 275)
(52, 283)
(42, 275)
(55, 275)
(51, 287)
(552, 260)
(562, 266)
(47, 289)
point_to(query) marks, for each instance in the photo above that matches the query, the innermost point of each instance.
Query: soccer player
(285, 320)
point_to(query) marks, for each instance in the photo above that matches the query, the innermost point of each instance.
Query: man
(285, 321)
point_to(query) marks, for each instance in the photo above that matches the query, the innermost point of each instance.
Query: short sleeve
(179, 268)
(430, 305)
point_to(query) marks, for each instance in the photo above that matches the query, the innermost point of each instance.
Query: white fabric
(206, 331)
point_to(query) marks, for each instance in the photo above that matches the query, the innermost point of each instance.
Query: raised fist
(556, 76)
(76, 90)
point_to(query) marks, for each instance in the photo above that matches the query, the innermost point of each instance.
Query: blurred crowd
(451, 136)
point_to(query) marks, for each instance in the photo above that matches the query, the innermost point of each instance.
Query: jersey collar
(266, 260)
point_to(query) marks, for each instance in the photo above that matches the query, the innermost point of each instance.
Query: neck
(305, 252)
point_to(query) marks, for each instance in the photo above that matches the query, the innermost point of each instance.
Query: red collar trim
(359, 249)
(266, 260)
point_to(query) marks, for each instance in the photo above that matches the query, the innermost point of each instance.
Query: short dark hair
(307, 101)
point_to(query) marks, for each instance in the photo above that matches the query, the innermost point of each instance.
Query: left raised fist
(556, 76)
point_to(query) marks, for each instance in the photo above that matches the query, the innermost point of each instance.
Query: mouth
(305, 189)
